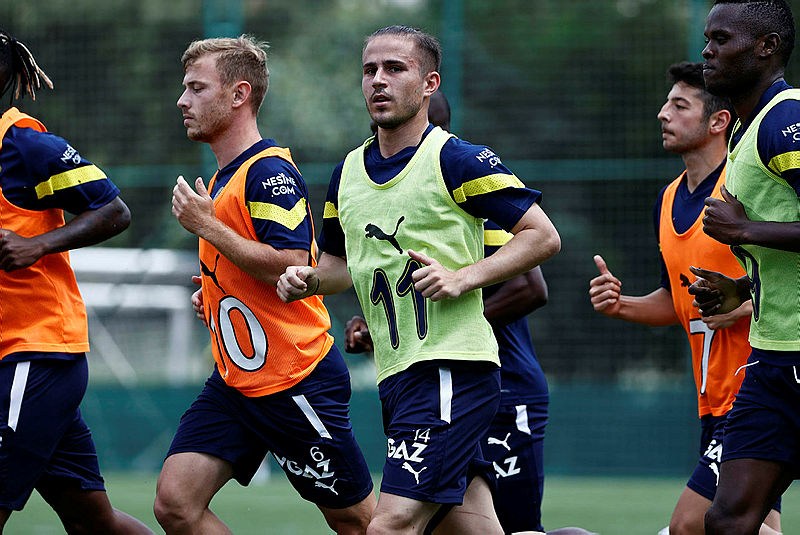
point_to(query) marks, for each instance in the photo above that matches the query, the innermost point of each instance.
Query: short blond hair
(238, 58)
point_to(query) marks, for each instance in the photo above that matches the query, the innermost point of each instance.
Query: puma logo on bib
(373, 231)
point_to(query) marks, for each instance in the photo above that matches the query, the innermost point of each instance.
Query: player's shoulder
(779, 130)
(40, 146)
(274, 164)
(783, 117)
(274, 172)
(458, 148)
(470, 160)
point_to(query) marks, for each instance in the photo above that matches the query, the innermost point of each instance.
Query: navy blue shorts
(434, 416)
(306, 428)
(705, 477)
(764, 422)
(514, 446)
(42, 433)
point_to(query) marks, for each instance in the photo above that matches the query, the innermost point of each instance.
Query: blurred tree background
(565, 91)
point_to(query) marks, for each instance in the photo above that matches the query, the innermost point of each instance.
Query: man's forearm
(259, 260)
(655, 309)
(88, 228)
(332, 275)
(516, 298)
(775, 235)
(526, 250)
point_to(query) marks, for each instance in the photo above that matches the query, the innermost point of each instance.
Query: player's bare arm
(87, 228)
(195, 211)
(726, 221)
(714, 293)
(605, 291)
(330, 276)
(516, 298)
(535, 240)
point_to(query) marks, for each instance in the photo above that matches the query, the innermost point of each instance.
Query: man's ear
(719, 121)
(769, 45)
(241, 93)
(432, 81)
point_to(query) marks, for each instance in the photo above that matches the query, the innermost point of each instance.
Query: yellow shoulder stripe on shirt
(330, 211)
(496, 237)
(68, 179)
(485, 184)
(785, 162)
(272, 212)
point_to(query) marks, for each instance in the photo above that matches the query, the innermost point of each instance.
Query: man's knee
(352, 520)
(97, 523)
(172, 508)
(724, 521)
(686, 525)
(349, 525)
(391, 522)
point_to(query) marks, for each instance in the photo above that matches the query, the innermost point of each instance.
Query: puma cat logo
(373, 231)
(416, 474)
(504, 442)
(324, 486)
(211, 274)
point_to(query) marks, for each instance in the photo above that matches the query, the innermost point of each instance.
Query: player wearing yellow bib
(412, 244)
(749, 44)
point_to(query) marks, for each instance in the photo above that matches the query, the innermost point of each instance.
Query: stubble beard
(689, 142)
(208, 132)
(391, 121)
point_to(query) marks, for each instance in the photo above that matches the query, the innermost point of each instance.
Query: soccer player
(694, 124)
(279, 384)
(44, 442)
(521, 419)
(404, 225)
(758, 215)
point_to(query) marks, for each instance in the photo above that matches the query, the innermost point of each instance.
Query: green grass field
(629, 506)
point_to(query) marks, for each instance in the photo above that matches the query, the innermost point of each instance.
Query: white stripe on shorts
(17, 391)
(309, 413)
(522, 419)
(445, 394)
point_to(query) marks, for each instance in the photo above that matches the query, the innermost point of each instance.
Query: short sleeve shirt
(41, 171)
(463, 165)
(276, 183)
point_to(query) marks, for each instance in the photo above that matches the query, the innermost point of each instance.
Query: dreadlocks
(18, 69)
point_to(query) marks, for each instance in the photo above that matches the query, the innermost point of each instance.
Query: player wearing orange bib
(26, 323)
(246, 310)
(279, 385)
(695, 125)
(717, 353)
(44, 442)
